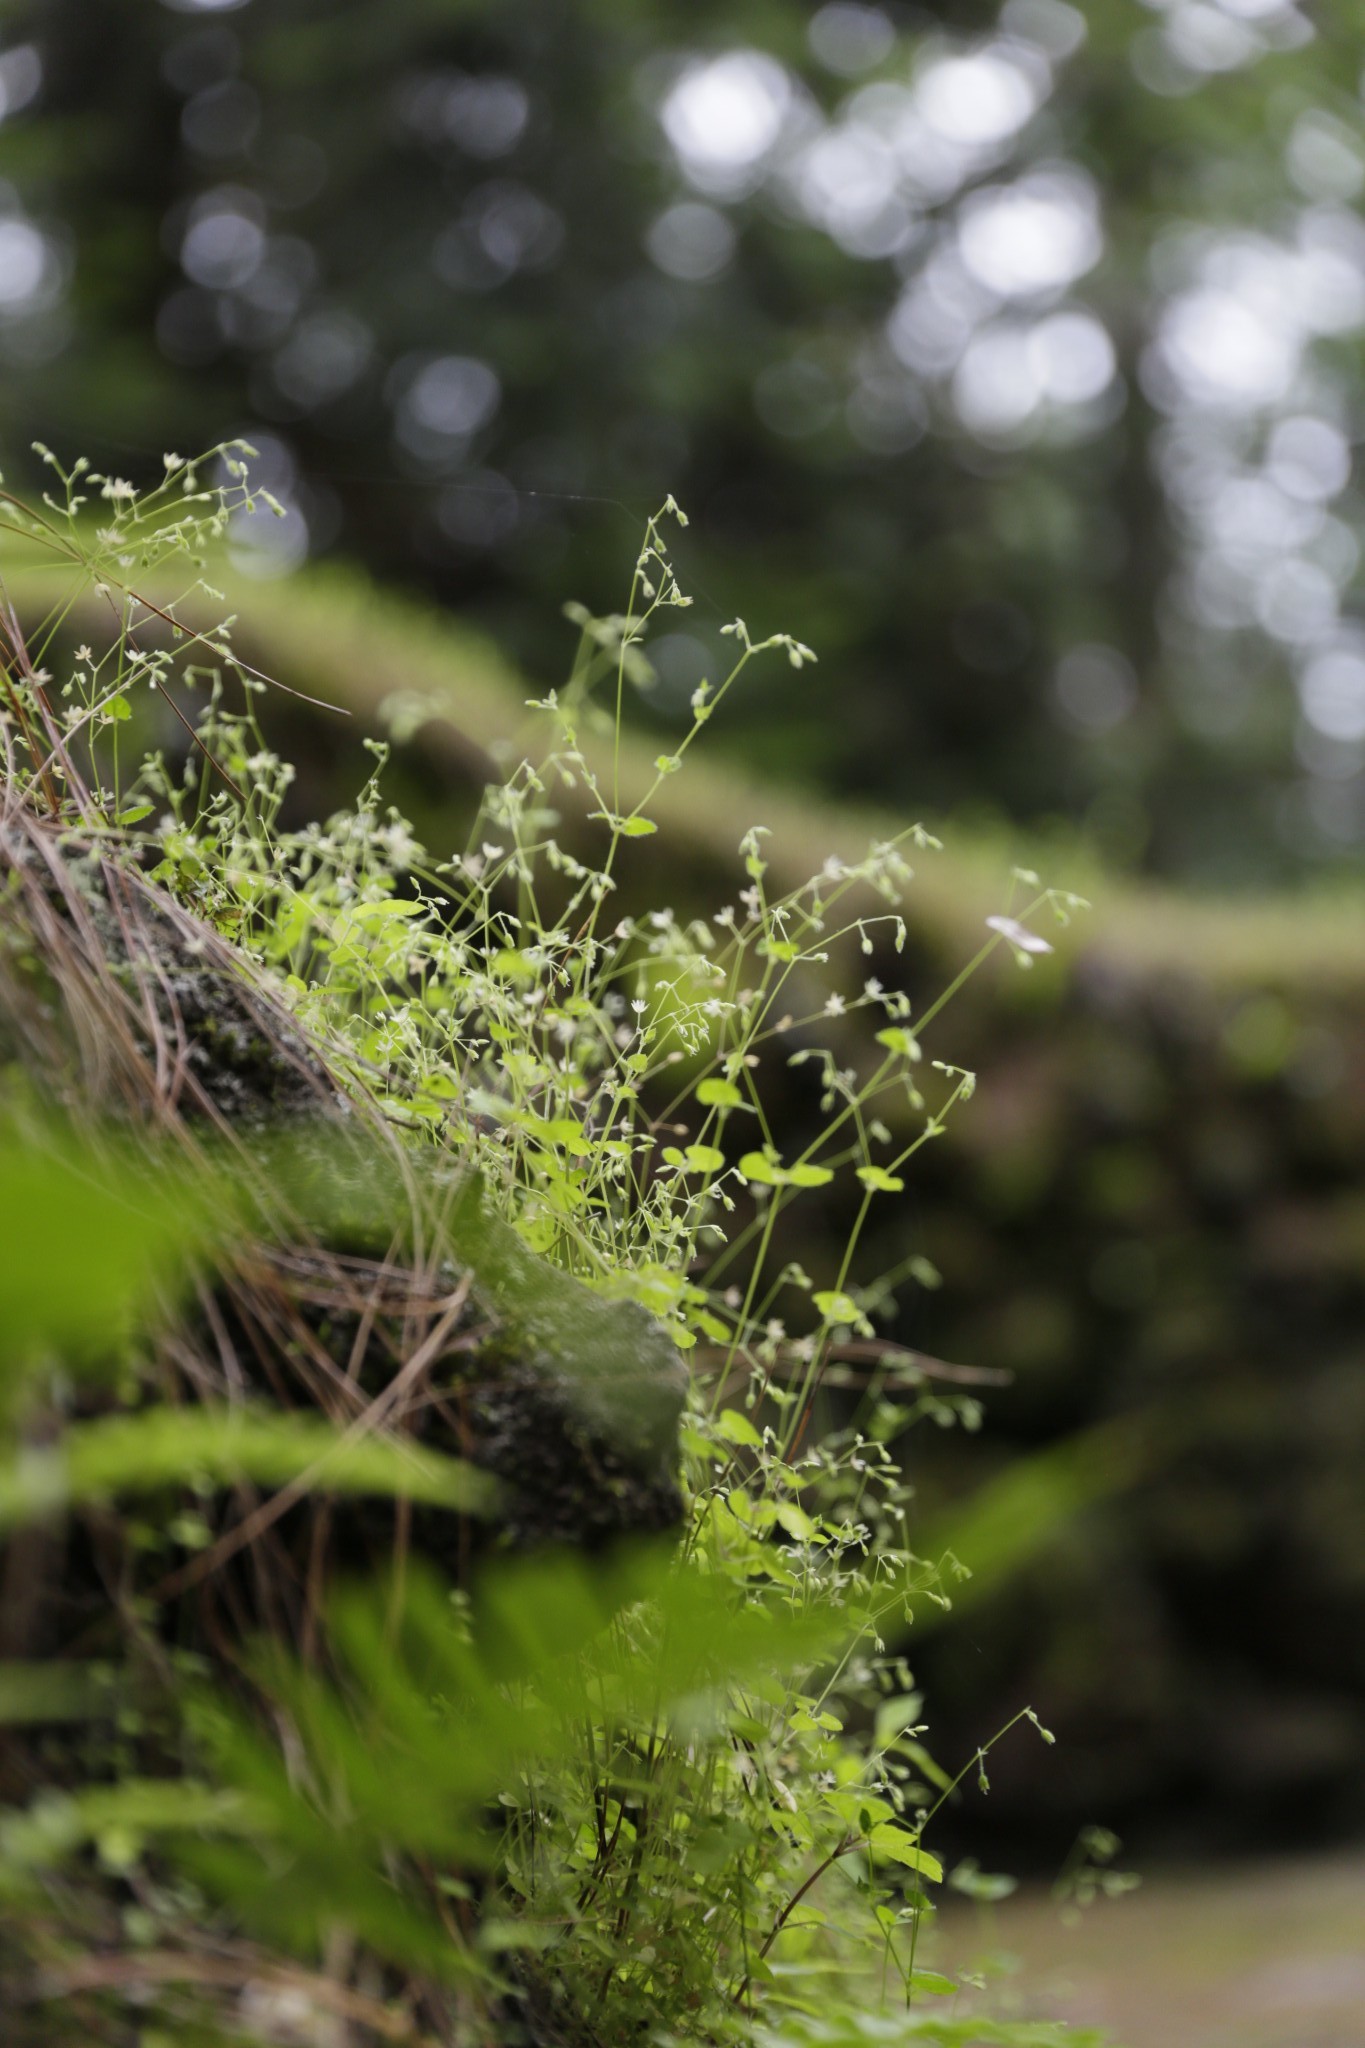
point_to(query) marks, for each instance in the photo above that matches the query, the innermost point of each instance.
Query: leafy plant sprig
(692, 1851)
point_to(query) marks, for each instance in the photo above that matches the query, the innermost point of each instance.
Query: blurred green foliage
(1008, 356)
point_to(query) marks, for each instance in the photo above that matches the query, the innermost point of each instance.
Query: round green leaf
(896, 1039)
(878, 1181)
(809, 1176)
(755, 1166)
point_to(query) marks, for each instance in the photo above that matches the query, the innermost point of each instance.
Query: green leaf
(119, 709)
(895, 1716)
(696, 1159)
(629, 828)
(161, 1447)
(927, 1765)
(795, 1521)
(385, 911)
(135, 814)
(836, 1307)
(735, 1428)
(809, 1176)
(57, 1824)
(780, 949)
(934, 1982)
(859, 1808)
(980, 1884)
(879, 1182)
(718, 1094)
(896, 1039)
(755, 1166)
(65, 1210)
(495, 1937)
(566, 1131)
(892, 1844)
(719, 1839)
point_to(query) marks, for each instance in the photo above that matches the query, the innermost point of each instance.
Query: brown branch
(849, 1842)
(268, 1512)
(879, 1351)
(203, 640)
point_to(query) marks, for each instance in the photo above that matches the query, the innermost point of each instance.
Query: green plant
(681, 1796)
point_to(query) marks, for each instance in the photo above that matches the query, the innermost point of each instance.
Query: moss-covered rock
(117, 1000)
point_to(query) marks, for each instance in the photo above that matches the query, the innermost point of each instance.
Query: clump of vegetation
(425, 1182)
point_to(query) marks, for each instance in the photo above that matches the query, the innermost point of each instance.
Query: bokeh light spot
(723, 116)
(980, 99)
(691, 241)
(1037, 235)
(848, 38)
(1095, 688)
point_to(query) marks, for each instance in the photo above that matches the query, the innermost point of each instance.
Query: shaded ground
(1264, 1956)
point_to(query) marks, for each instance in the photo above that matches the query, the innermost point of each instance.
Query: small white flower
(834, 1006)
(398, 843)
(1018, 935)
